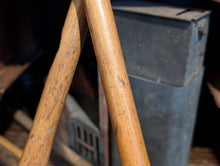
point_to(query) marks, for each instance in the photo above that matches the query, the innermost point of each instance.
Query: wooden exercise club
(114, 77)
(38, 146)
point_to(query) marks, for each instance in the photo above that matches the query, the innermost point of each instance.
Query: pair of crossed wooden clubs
(99, 16)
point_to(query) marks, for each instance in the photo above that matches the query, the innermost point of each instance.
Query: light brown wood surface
(10, 147)
(38, 146)
(116, 85)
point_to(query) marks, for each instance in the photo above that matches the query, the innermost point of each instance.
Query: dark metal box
(164, 51)
(162, 43)
(167, 115)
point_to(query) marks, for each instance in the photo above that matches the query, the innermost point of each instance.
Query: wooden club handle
(38, 146)
(116, 84)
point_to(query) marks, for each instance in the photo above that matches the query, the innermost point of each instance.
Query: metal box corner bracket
(162, 43)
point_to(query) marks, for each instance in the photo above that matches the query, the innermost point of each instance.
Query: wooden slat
(203, 157)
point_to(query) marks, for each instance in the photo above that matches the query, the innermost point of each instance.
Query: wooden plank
(200, 156)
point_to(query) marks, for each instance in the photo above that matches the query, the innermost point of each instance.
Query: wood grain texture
(39, 144)
(116, 85)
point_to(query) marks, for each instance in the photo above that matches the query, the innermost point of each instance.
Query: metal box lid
(160, 10)
(162, 43)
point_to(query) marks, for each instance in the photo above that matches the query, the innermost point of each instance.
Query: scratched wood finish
(38, 146)
(116, 84)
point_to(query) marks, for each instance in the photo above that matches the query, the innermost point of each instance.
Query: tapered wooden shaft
(126, 127)
(38, 146)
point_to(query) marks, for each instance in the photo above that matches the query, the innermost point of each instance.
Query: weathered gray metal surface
(162, 43)
(160, 10)
(167, 115)
(164, 51)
